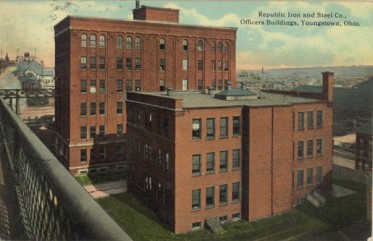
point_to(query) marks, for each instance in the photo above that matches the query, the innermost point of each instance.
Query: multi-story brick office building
(98, 60)
(196, 156)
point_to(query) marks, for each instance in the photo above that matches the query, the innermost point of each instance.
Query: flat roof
(193, 100)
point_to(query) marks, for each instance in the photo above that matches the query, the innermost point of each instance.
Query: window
(119, 129)
(83, 132)
(300, 120)
(220, 84)
(310, 148)
(213, 65)
(196, 199)
(92, 109)
(223, 160)
(235, 191)
(185, 64)
(92, 64)
(162, 43)
(196, 169)
(102, 43)
(102, 130)
(319, 121)
(200, 65)
(92, 131)
(83, 62)
(223, 194)
(102, 63)
(318, 175)
(137, 63)
(83, 155)
(162, 64)
(226, 65)
(93, 41)
(236, 216)
(120, 152)
(92, 86)
(120, 42)
(309, 176)
(236, 162)
(200, 45)
(83, 109)
(196, 129)
(137, 43)
(223, 127)
(102, 108)
(119, 107)
(236, 125)
(310, 119)
(119, 63)
(167, 161)
(226, 47)
(200, 84)
(213, 83)
(84, 40)
(83, 86)
(185, 45)
(128, 63)
(138, 85)
(220, 46)
(102, 153)
(184, 84)
(129, 85)
(102, 86)
(210, 162)
(210, 193)
(213, 46)
(119, 85)
(300, 149)
(129, 42)
(196, 226)
(319, 147)
(210, 128)
(300, 178)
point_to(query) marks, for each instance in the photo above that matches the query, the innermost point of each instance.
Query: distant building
(47, 79)
(99, 60)
(194, 157)
(364, 138)
(27, 57)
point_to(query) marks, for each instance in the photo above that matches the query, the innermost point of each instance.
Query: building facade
(196, 156)
(364, 138)
(98, 60)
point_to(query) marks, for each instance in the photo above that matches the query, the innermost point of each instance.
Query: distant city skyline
(27, 26)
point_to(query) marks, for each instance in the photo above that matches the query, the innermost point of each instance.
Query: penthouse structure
(234, 154)
(99, 60)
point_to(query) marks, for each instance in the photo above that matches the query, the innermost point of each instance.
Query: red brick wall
(156, 14)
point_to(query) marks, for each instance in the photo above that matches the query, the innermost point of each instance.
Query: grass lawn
(143, 225)
(89, 179)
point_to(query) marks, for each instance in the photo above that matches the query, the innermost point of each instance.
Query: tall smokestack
(327, 86)
(137, 4)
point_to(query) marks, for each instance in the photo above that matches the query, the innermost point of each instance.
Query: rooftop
(192, 100)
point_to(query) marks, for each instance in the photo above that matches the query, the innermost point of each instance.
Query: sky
(27, 26)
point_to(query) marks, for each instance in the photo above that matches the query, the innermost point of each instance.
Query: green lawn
(88, 179)
(143, 225)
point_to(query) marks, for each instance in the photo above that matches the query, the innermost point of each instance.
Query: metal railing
(54, 206)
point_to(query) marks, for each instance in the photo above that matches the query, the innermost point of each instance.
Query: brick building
(235, 154)
(98, 60)
(364, 138)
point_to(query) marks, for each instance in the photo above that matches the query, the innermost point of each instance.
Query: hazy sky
(28, 25)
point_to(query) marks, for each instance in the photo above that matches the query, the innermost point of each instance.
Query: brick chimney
(156, 14)
(327, 86)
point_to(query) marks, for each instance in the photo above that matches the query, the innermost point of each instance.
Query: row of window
(102, 86)
(210, 162)
(210, 127)
(102, 63)
(101, 133)
(162, 158)
(128, 43)
(310, 119)
(310, 148)
(99, 153)
(223, 197)
(101, 109)
(222, 219)
(309, 177)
